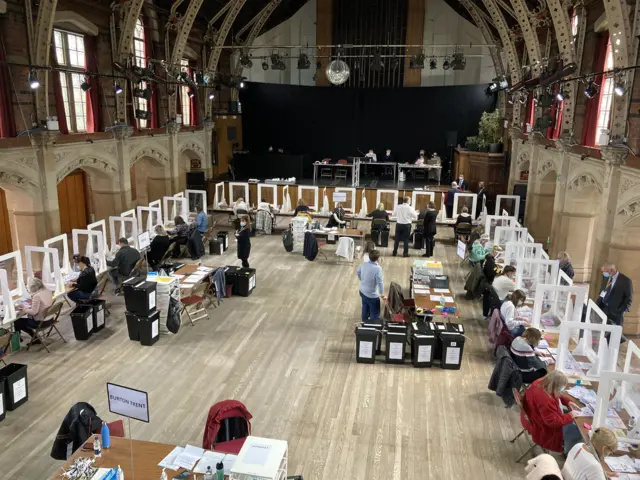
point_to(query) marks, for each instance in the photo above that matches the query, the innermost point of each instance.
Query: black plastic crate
(16, 387)
(231, 277)
(366, 341)
(140, 297)
(82, 321)
(133, 327)
(224, 239)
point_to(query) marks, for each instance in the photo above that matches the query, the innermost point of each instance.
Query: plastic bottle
(119, 474)
(209, 474)
(104, 433)
(163, 475)
(219, 471)
(97, 448)
(632, 423)
(443, 300)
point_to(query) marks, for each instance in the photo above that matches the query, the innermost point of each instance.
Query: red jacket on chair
(546, 417)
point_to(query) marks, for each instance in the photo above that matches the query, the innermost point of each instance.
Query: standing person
(565, 264)
(35, 308)
(616, 294)
(429, 229)
(243, 237)
(202, 221)
(584, 461)
(509, 313)
(86, 282)
(122, 265)
(337, 217)
(371, 287)
(405, 214)
(462, 185)
(369, 247)
(451, 195)
(482, 198)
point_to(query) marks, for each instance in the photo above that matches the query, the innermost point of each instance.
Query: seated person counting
(584, 461)
(379, 213)
(479, 250)
(523, 354)
(544, 403)
(301, 207)
(180, 234)
(371, 156)
(159, 246)
(34, 310)
(509, 313)
(240, 205)
(123, 263)
(420, 160)
(86, 282)
(464, 216)
(337, 217)
(505, 283)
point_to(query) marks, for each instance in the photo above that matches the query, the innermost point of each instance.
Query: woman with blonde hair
(35, 308)
(379, 213)
(584, 461)
(565, 264)
(551, 428)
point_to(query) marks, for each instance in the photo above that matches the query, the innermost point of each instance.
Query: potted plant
(490, 131)
(472, 144)
(483, 146)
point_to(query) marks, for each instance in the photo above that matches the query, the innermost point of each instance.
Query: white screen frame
(302, 188)
(499, 198)
(245, 193)
(347, 190)
(395, 194)
(474, 205)
(274, 191)
(150, 213)
(7, 299)
(175, 202)
(219, 195)
(51, 277)
(102, 225)
(421, 193)
(16, 256)
(65, 267)
(120, 224)
(201, 195)
(102, 259)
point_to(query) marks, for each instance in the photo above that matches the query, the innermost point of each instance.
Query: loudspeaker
(452, 138)
(195, 181)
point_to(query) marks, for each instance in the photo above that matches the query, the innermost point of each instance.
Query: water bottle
(119, 474)
(209, 474)
(97, 449)
(104, 433)
(163, 475)
(443, 300)
(219, 471)
(632, 423)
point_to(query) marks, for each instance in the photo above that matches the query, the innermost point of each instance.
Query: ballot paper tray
(261, 459)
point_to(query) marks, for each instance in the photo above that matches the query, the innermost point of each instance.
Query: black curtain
(337, 122)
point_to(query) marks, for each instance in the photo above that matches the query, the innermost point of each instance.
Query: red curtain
(195, 110)
(57, 90)
(557, 129)
(7, 123)
(148, 51)
(93, 95)
(529, 115)
(591, 112)
(553, 112)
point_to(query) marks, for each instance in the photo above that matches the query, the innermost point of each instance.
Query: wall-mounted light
(33, 79)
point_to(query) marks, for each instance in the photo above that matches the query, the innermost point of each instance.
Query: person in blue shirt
(371, 287)
(202, 222)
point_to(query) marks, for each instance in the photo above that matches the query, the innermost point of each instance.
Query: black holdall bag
(173, 316)
(287, 240)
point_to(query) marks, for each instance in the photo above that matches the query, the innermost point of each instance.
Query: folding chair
(137, 268)
(341, 173)
(525, 422)
(325, 172)
(463, 230)
(51, 316)
(196, 300)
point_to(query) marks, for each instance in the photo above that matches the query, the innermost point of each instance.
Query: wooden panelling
(324, 36)
(5, 226)
(482, 167)
(228, 131)
(415, 36)
(72, 202)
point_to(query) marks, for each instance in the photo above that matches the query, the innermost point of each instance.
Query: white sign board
(128, 402)
(339, 197)
(462, 249)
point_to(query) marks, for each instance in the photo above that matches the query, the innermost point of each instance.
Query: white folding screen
(196, 198)
(393, 204)
(286, 200)
(456, 201)
(102, 226)
(173, 205)
(555, 304)
(118, 229)
(515, 250)
(314, 190)
(443, 208)
(272, 190)
(563, 278)
(57, 242)
(237, 190)
(632, 360)
(626, 390)
(531, 272)
(514, 198)
(502, 235)
(7, 306)
(154, 217)
(98, 259)
(350, 203)
(416, 195)
(493, 221)
(15, 257)
(51, 273)
(219, 197)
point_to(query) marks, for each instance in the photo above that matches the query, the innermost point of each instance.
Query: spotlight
(433, 64)
(395, 63)
(493, 87)
(33, 80)
(560, 96)
(458, 62)
(85, 85)
(245, 61)
(241, 84)
(618, 88)
(417, 61)
(303, 62)
(591, 90)
(503, 83)
(265, 65)
(445, 64)
(377, 65)
(211, 96)
(117, 89)
(191, 93)
(206, 78)
(523, 99)
(511, 99)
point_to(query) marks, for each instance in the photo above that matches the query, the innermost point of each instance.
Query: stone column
(516, 146)
(558, 240)
(173, 129)
(531, 208)
(44, 148)
(122, 198)
(208, 148)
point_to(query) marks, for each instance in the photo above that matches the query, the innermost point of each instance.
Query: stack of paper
(170, 460)
(209, 459)
(179, 457)
(622, 464)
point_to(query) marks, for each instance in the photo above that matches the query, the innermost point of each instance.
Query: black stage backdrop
(328, 122)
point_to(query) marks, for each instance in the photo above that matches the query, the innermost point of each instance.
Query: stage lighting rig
(245, 60)
(303, 62)
(459, 62)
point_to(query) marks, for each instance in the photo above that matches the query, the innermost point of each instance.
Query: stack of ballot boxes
(143, 317)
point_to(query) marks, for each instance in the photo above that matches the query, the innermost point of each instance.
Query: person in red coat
(550, 427)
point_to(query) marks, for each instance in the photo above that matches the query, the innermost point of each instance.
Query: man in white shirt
(372, 157)
(404, 214)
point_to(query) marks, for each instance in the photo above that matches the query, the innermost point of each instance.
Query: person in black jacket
(464, 216)
(243, 237)
(86, 282)
(616, 294)
(565, 264)
(379, 214)
(123, 263)
(159, 246)
(429, 229)
(300, 208)
(451, 195)
(482, 198)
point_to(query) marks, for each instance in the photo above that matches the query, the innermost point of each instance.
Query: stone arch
(583, 180)
(191, 159)
(152, 153)
(66, 18)
(100, 167)
(628, 212)
(24, 208)
(150, 179)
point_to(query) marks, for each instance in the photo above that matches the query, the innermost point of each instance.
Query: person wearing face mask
(462, 184)
(584, 461)
(243, 237)
(505, 283)
(523, 353)
(387, 156)
(544, 402)
(478, 249)
(371, 156)
(420, 160)
(616, 294)
(482, 198)
(509, 313)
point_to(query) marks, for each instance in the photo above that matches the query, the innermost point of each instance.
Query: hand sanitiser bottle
(97, 449)
(209, 474)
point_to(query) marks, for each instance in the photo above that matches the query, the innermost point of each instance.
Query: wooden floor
(288, 353)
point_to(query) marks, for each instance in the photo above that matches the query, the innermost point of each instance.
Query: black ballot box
(215, 246)
(245, 282)
(133, 327)
(452, 349)
(224, 239)
(231, 277)
(16, 389)
(366, 341)
(398, 328)
(378, 327)
(380, 238)
(422, 349)
(127, 288)
(394, 347)
(82, 321)
(140, 297)
(149, 328)
(438, 328)
(99, 308)
(418, 241)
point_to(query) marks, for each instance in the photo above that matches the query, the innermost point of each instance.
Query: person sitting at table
(371, 156)
(387, 156)
(479, 250)
(543, 402)
(524, 355)
(159, 246)
(489, 268)
(180, 233)
(464, 216)
(34, 309)
(122, 265)
(300, 208)
(584, 461)
(379, 214)
(240, 205)
(450, 196)
(420, 160)
(337, 217)
(86, 282)
(505, 283)
(509, 312)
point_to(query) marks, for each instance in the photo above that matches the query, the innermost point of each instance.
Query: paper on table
(434, 298)
(228, 461)
(178, 276)
(209, 459)
(187, 461)
(441, 290)
(186, 285)
(257, 455)
(170, 460)
(553, 351)
(615, 423)
(195, 451)
(620, 464)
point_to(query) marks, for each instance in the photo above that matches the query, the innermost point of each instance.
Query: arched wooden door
(72, 201)
(5, 226)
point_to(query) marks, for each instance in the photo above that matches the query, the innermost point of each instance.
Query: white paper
(620, 464)
(209, 459)
(185, 460)
(331, 237)
(396, 350)
(169, 460)
(195, 451)
(434, 298)
(453, 356)
(178, 276)
(448, 299)
(366, 349)
(252, 282)
(154, 329)
(186, 285)
(552, 351)
(205, 269)
(89, 323)
(424, 353)
(152, 300)
(193, 279)
(257, 454)
(229, 461)
(441, 290)
(1, 403)
(100, 317)
(19, 390)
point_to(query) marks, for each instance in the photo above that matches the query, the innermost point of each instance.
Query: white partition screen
(61, 243)
(503, 235)
(97, 258)
(268, 193)
(469, 200)
(493, 221)
(14, 260)
(102, 226)
(174, 206)
(7, 306)
(389, 198)
(515, 250)
(195, 199)
(350, 204)
(530, 273)
(510, 203)
(238, 190)
(148, 218)
(420, 199)
(555, 304)
(123, 227)
(286, 200)
(618, 399)
(563, 278)
(310, 196)
(219, 197)
(51, 273)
